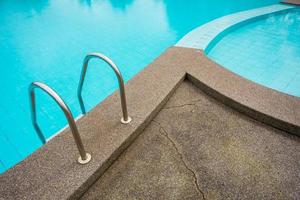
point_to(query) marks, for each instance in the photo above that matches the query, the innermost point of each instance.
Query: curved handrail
(84, 157)
(125, 119)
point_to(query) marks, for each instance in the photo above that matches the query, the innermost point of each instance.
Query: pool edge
(206, 36)
(52, 171)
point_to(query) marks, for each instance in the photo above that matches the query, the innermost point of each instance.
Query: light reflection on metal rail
(125, 119)
(84, 157)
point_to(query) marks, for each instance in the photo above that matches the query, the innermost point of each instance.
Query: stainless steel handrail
(84, 157)
(125, 119)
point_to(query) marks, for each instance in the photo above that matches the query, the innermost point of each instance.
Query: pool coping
(292, 2)
(206, 36)
(53, 173)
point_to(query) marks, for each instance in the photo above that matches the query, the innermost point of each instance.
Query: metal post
(125, 119)
(84, 157)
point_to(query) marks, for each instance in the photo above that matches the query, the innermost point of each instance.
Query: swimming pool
(46, 41)
(266, 51)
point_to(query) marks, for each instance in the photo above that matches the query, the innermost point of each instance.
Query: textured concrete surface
(151, 168)
(53, 173)
(195, 138)
(264, 104)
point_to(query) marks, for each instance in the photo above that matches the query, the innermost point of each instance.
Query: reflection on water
(23, 6)
(86, 2)
(184, 17)
(46, 40)
(117, 4)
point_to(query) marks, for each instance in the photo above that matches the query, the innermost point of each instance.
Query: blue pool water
(46, 40)
(266, 51)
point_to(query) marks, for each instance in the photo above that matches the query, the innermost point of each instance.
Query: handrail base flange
(126, 121)
(87, 160)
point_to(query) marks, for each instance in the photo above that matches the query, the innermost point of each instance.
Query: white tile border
(201, 37)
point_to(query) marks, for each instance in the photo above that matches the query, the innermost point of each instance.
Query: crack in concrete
(165, 133)
(193, 103)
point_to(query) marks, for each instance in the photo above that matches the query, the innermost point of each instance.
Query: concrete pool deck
(53, 173)
(197, 148)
